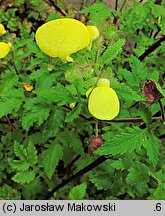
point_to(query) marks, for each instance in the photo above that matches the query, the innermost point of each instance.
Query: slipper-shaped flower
(2, 29)
(103, 101)
(62, 37)
(4, 49)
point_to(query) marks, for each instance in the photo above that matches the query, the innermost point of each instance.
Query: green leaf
(20, 152)
(123, 143)
(138, 69)
(11, 100)
(24, 176)
(137, 174)
(74, 113)
(54, 123)
(9, 193)
(31, 153)
(9, 79)
(56, 94)
(128, 76)
(122, 164)
(159, 193)
(19, 165)
(72, 139)
(32, 189)
(36, 110)
(152, 148)
(51, 157)
(97, 12)
(162, 91)
(112, 52)
(127, 93)
(78, 192)
(79, 87)
(146, 115)
(43, 77)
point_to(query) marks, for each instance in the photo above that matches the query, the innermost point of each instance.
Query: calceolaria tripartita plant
(82, 100)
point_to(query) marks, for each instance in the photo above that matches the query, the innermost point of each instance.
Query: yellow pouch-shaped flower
(103, 101)
(2, 29)
(4, 49)
(62, 37)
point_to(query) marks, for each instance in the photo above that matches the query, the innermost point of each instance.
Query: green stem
(161, 109)
(96, 128)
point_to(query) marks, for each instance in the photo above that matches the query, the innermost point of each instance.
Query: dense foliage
(45, 149)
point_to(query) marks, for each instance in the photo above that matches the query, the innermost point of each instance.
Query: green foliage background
(44, 142)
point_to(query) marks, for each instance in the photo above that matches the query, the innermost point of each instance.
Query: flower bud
(95, 143)
(151, 93)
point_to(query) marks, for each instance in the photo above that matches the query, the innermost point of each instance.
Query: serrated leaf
(32, 188)
(54, 123)
(20, 152)
(24, 176)
(127, 93)
(121, 164)
(159, 193)
(146, 115)
(137, 174)
(128, 76)
(138, 69)
(78, 192)
(36, 110)
(152, 148)
(162, 91)
(10, 101)
(9, 79)
(112, 52)
(43, 77)
(73, 113)
(8, 193)
(97, 12)
(70, 139)
(56, 94)
(79, 87)
(51, 157)
(123, 143)
(19, 165)
(31, 153)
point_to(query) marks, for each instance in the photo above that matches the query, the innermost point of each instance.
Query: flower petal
(103, 103)
(4, 49)
(62, 37)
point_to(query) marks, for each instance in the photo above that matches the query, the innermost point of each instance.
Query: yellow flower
(88, 91)
(103, 101)
(4, 49)
(27, 87)
(2, 29)
(62, 37)
(72, 105)
(94, 34)
(159, 21)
